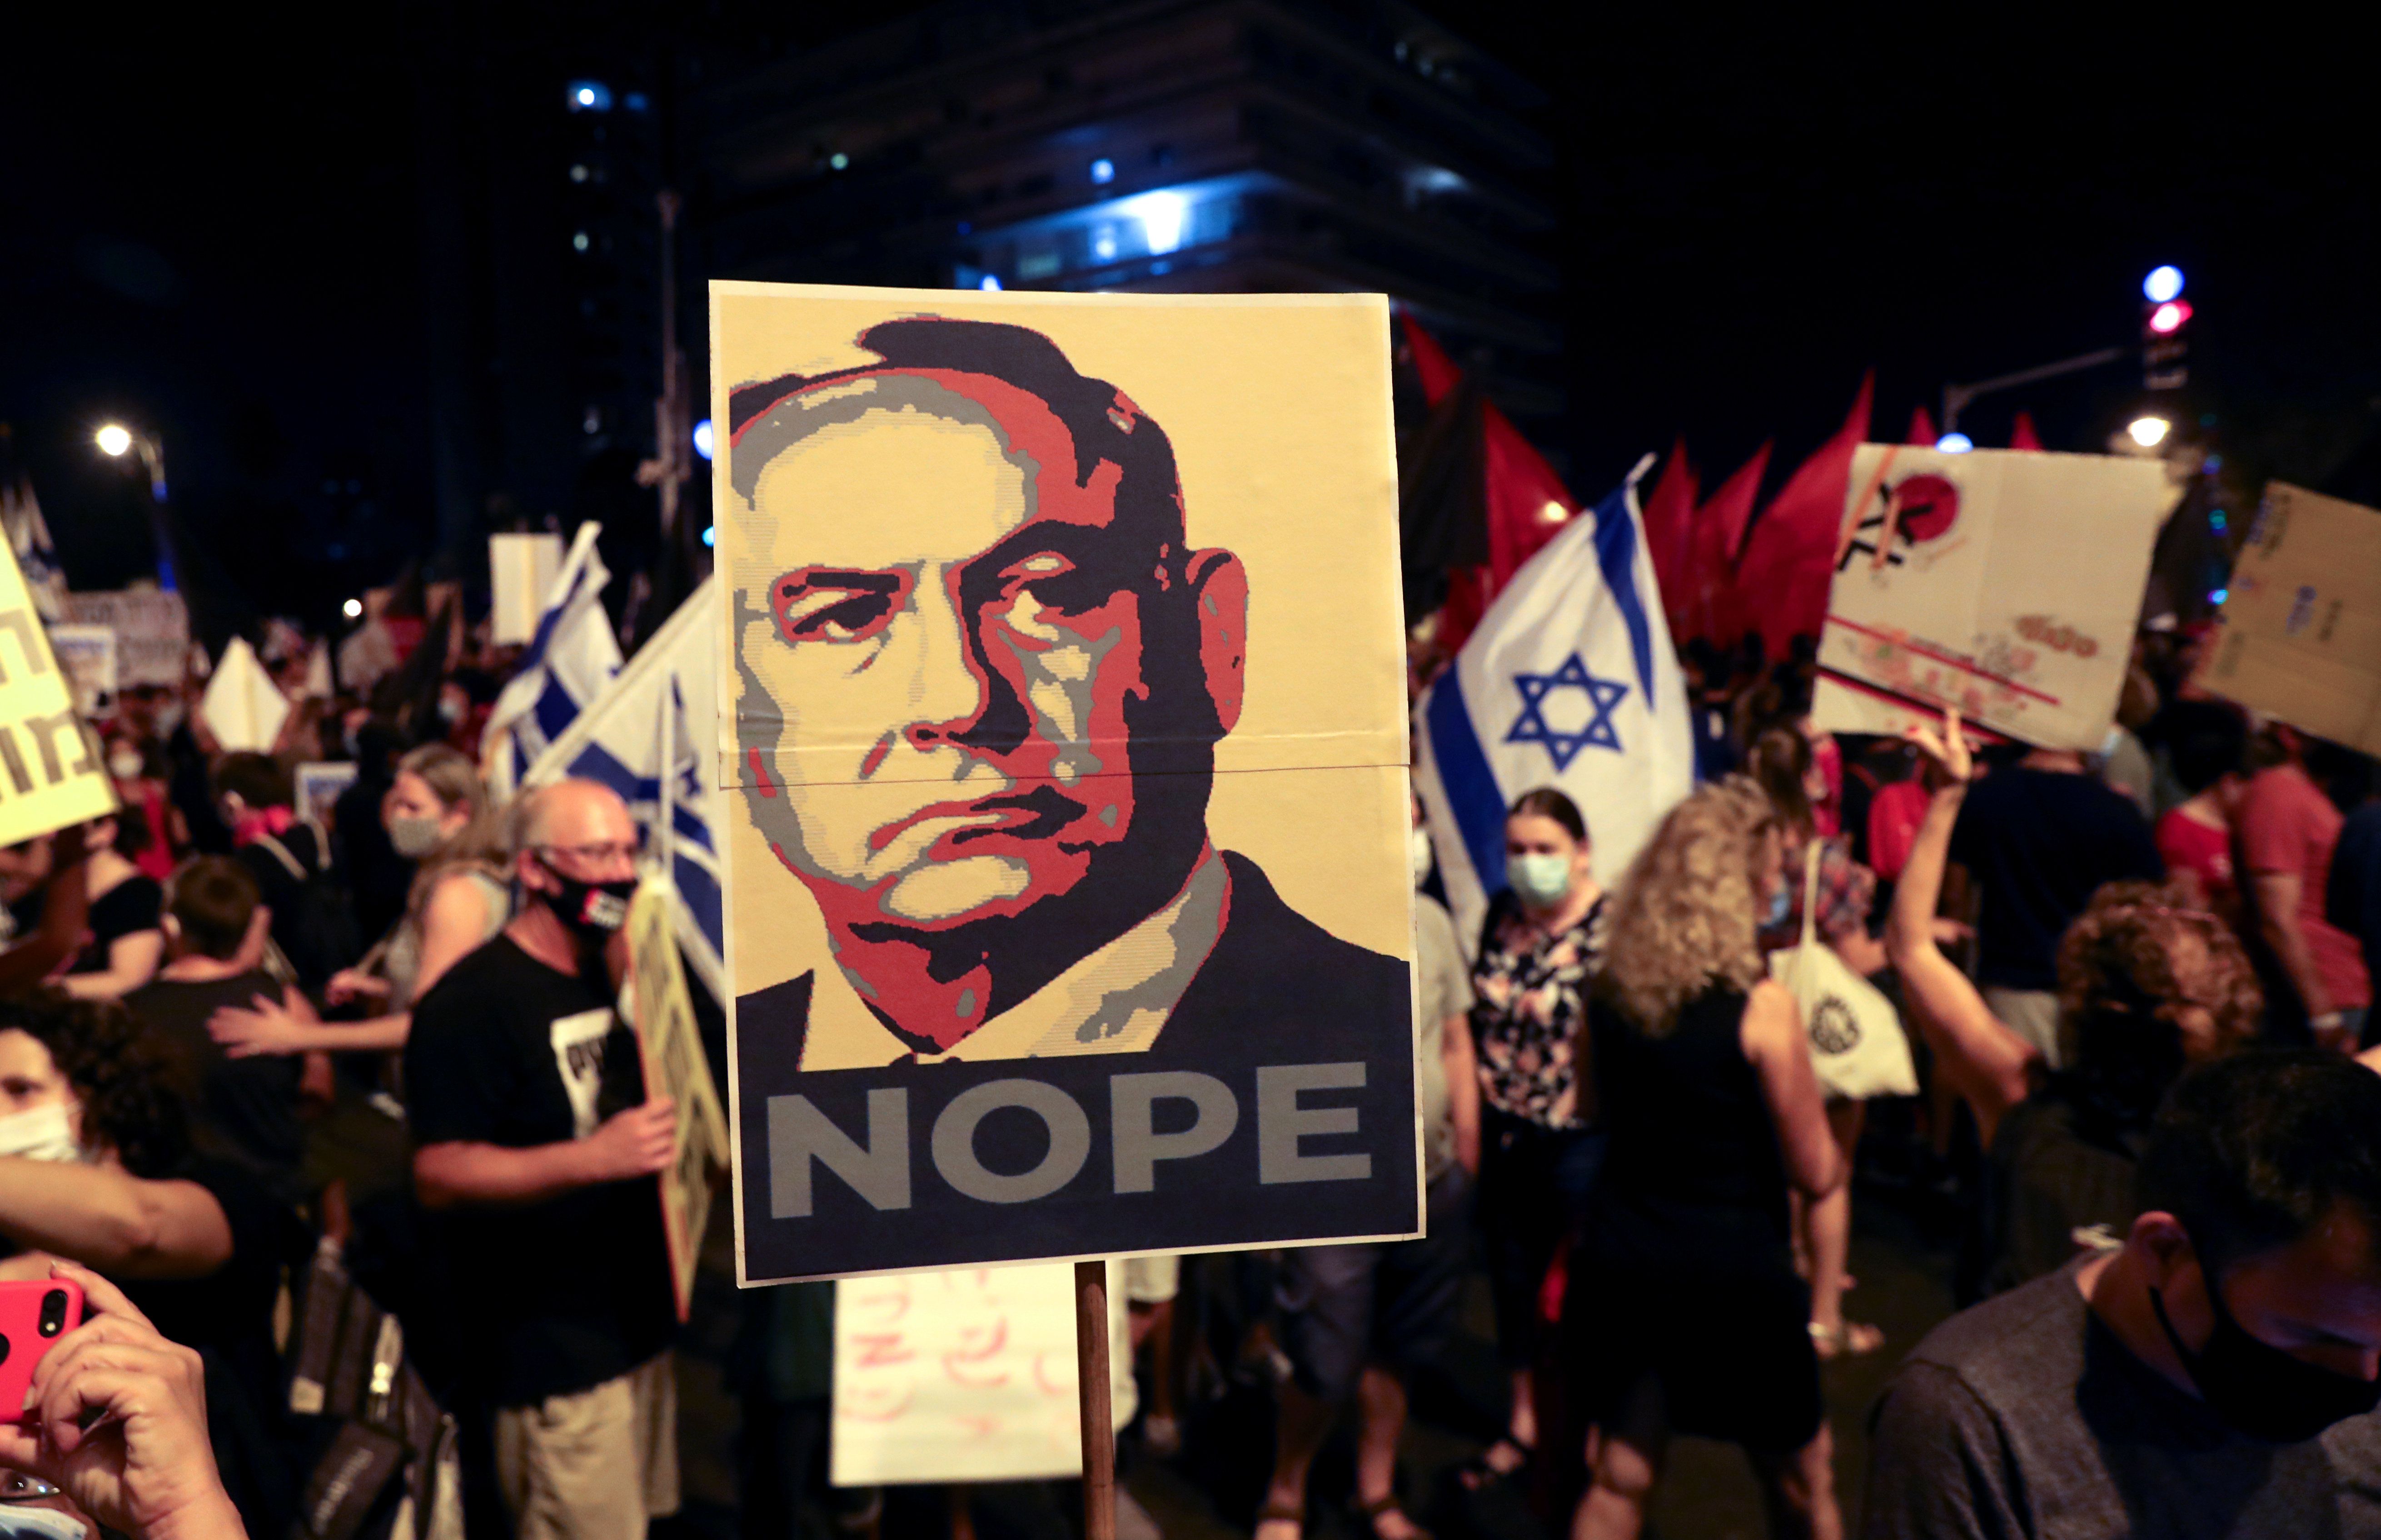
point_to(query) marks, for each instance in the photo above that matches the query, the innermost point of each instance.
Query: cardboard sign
(2006, 583)
(242, 706)
(153, 632)
(965, 1375)
(318, 785)
(88, 655)
(52, 772)
(520, 570)
(1063, 720)
(2301, 636)
(672, 1049)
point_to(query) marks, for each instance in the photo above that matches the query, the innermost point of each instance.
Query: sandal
(1379, 1508)
(1294, 1515)
(1481, 1470)
(1852, 1340)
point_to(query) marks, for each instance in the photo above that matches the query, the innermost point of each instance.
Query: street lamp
(115, 440)
(2149, 432)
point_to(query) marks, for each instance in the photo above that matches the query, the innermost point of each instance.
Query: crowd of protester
(242, 1041)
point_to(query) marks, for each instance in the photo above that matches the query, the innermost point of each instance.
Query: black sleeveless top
(1691, 1137)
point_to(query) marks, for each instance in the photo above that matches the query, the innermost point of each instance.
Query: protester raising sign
(672, 1049)
(2005, 583)
(52, 773)
(153, 632)
(1063, 690)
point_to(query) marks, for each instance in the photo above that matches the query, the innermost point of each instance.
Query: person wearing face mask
(536, 1146)
(156, 829)
(1685, 1312)
(2215, 1375)
(98, 1169)
(436, 816)
(1540, 946)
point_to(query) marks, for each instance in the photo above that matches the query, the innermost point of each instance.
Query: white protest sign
(2007, 583)
(964, 1376)
(319, 783)
(520, 569)
(88, 655)
(51, 770)
(152, 631)
(242, 706)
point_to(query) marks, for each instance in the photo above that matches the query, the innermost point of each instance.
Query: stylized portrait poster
(1064, 734)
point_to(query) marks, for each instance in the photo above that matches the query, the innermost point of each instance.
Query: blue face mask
(1539, 876)
(1781, 905)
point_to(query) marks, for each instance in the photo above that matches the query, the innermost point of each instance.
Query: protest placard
(671, 1046)
(242, 706)
(2007, 583)
(1063, 740)
(152, 631)
(318, 784)
(52, 773)
(520, 569)
(88, 655)
(2301, 637)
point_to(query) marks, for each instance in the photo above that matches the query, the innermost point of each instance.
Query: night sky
(209, 228)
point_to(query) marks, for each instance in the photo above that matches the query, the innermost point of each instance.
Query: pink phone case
(33, 1315)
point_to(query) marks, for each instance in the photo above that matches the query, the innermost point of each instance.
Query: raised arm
(1992, 1067)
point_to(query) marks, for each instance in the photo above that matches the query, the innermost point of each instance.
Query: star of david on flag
(1569, 682)
(1531, 725)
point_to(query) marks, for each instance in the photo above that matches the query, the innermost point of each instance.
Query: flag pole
(1092, 1384)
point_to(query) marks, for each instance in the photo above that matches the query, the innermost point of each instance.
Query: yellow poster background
(1278, 409)
(671, 1046)
(51, 770)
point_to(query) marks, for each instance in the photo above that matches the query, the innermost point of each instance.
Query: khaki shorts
(594, 1464)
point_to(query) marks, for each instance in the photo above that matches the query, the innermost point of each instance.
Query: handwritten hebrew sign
(51, 769)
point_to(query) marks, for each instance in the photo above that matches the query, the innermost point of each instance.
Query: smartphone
(33, 1315)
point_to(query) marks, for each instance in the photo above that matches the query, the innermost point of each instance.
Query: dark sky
(208, 226)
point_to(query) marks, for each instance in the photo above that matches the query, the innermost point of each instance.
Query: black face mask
(2260, 1389)
(592, 910)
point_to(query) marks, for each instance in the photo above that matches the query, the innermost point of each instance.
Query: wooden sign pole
(1091, 1383)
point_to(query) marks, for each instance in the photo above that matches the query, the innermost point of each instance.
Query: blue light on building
(703, 438)
(590, 96)
(1104, 171)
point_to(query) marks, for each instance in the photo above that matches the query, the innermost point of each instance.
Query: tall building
(1154, 145)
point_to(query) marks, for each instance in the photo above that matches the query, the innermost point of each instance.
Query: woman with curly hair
(96, 1168)
(2149, 984)
(1687, 1312)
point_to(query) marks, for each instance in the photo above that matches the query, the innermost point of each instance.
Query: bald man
(536, 1145)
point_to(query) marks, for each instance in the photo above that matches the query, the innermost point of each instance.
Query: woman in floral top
(1538, 1149)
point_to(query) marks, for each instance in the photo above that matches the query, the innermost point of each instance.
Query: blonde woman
(436, 814)
(1686, 1311)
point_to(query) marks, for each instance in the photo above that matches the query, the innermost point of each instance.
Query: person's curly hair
(1685, 917)
(2119, 989)
(97, 1045)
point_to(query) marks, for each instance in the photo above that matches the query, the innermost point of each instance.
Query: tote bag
(1856, 1041)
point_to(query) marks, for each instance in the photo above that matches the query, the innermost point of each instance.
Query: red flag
(1527, 501)
(2021, 434)
(1790, 558)
(1717, 536)
(1669, 515)
(1922, 428)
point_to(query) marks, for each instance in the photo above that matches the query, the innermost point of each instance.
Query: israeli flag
(1570, 681)
(647, 737)
(567, 663)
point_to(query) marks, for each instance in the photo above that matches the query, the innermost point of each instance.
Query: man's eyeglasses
(602, 854)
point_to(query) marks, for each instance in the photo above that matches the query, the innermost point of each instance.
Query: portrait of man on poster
(980, 675)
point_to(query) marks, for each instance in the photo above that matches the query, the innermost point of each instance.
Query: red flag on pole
(2021, 434)
(1790, 558)
(1922, 428)
(1527, 501)
(1716, 537)
(1669, 516)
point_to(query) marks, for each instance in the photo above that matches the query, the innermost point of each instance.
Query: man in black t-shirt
(534, 1136)
(2041, 836)
(241, 1109)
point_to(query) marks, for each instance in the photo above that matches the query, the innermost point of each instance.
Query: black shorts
(1391, 1302)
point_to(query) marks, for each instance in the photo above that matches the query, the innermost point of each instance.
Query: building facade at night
(1165, 145)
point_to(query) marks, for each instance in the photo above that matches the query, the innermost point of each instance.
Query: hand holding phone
(33, 1315)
